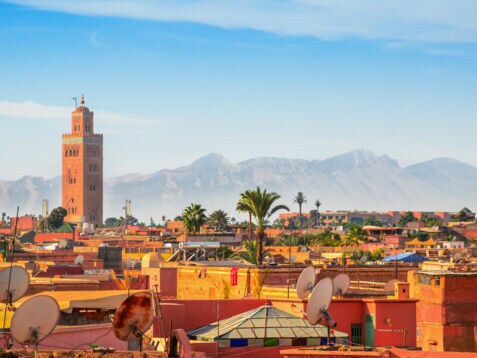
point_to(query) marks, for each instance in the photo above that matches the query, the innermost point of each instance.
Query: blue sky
(172, 81)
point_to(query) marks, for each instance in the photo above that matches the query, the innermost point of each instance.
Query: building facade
(82, 169)
(446, 314)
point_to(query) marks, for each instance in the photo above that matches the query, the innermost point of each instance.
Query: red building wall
(53, 237)
(190, 314)
(25, 223)
(446, 313)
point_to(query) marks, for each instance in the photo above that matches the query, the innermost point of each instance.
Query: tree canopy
(194, 217)
(260, 205)
(112, 222)
(251, 253)
(219, 220)
(371, 220)
(406, 218)
(464, 215)
(56, 218)
(355, 235)
(300, 199)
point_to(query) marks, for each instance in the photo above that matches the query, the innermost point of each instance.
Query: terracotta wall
(446, 313)
(377, 274)
(53, 237)
(190, 314)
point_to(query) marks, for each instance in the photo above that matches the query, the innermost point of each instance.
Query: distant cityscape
(215, 285)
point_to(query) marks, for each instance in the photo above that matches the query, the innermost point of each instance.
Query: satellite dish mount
(317, 308)
(34, 320)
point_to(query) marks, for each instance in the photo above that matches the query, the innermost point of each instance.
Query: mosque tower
(82, 169)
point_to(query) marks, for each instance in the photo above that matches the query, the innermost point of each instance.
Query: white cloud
(411, 20)
(428, 49)
(33, 110)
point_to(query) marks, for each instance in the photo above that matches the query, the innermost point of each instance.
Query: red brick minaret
(82, 174)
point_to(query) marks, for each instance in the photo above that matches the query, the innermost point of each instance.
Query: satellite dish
(130, 264)
(389, 286)
(79, 260)
(363, 260)
(19, 281)
(320, 300)
(306, 282)
(340, 284)
(134, 316)
(35, 319)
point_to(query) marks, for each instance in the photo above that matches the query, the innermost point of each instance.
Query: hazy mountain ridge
(355, 180)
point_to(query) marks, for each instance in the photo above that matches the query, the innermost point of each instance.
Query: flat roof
(100, 299)
(446, 273)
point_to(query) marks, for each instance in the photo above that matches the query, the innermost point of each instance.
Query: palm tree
(194, 217)
(259, 204)
(243, 208)
(219, 220)
(251, 253)
(300, 199)
(289, 240)
(317, 204)
(355, 236)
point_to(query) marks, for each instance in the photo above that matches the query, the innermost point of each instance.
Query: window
(356, 334)
(424, 280)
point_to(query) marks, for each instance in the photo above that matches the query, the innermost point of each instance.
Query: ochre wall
(200, 282)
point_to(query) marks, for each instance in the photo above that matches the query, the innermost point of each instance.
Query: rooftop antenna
(317, 308)
(34, 320)
(76, 101)
(9, 273)
(44, 214)
(341, 284)
(134, 316)
(127, 215)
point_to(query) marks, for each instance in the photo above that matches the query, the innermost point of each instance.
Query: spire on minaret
(82, 99)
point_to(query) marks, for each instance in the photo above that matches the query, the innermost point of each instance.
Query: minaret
(82, 172)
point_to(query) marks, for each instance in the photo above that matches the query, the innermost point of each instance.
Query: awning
(405, 257)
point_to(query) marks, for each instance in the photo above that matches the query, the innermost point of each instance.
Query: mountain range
(358, 180)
